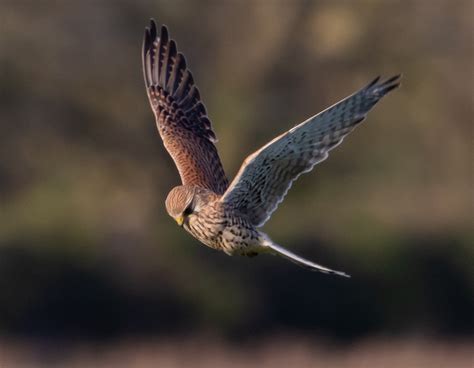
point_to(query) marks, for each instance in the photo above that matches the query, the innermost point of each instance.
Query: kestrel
(228, 217)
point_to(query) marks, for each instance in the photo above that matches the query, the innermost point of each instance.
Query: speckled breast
(220, 228)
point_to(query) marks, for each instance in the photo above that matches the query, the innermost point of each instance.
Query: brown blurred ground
(86, 248)
(281, 352)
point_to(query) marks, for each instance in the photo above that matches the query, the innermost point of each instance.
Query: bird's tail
(282, 252)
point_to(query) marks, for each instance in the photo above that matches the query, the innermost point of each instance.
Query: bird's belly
(239, 241)
(230, 238)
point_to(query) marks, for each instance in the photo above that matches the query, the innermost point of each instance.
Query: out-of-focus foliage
(86, 247)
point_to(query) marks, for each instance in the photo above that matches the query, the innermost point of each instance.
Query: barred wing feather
(181, 116)
(266, 175)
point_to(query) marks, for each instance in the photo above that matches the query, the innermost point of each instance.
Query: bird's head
(183, 201)
(179, 203)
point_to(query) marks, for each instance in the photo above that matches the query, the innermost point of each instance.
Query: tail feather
(278, 250)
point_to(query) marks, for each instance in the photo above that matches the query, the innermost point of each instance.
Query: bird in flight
(225, 216)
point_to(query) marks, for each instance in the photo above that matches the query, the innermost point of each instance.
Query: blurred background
(94, 273)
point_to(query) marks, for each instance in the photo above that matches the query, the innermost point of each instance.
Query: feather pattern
(266, 175)
(181, 117)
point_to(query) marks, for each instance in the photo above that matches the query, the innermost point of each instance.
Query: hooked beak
(180, 220)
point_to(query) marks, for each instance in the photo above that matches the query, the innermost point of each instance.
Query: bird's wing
(266, 175)
(180, 115)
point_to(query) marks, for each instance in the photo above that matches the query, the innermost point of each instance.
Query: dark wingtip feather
(380, 88)
(149, 37)
(389, 88)
(393, 79)
(146, 46)
(164, 35)
(152, 29)
(373, 82)
(390, 84)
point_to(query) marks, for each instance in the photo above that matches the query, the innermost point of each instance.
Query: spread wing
(180, 115)
(266, 175)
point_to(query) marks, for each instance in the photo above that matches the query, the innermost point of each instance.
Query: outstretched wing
(266, 175)
(180, 115)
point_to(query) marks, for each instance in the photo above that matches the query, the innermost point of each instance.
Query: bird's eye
(188, 211)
